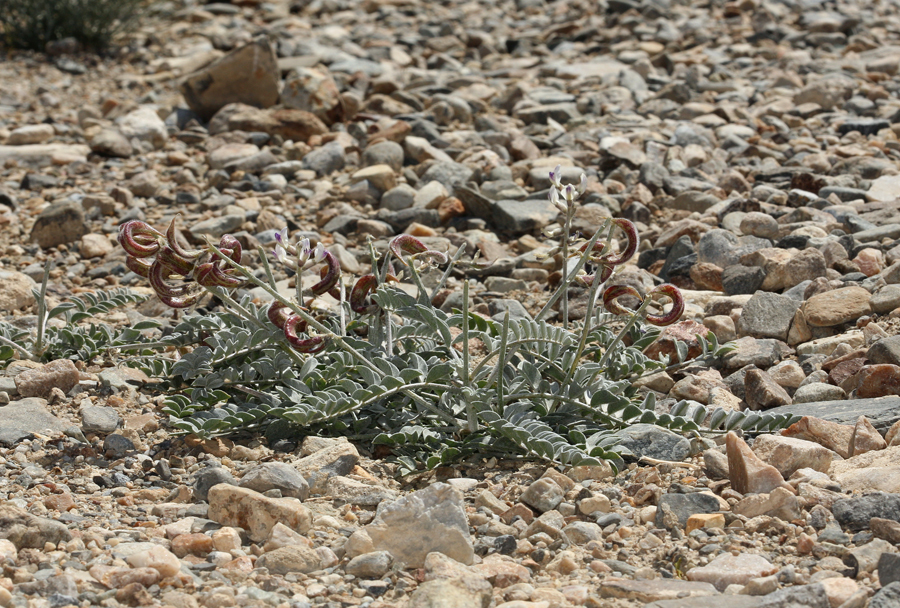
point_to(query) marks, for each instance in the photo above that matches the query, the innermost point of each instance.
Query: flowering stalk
(563, 198)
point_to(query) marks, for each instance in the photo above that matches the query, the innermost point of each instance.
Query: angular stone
(338, 459)
(778, 503)
(886, 350)
(519, 217)
(835, 437)
(747, 472)
(60, 223)
(885, 529)
(865, 438)
(544, 495)
(837, 306)
(789, 454)
(21, 418)
(768, 315)
(144, 124)
(243, 508)
(313, 91)
(855, 513)
(370, 565)
(762, 392)
(110, 142)
(727, 569)
(463, 592)
(157, 557)
(428, 520)
(674, 509)
(99, 419)
(654, 442)
(875, 381)
(247, 75)
(688, 332)
(276, 475)
(699, 521)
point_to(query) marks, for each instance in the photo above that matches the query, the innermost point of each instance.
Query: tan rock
(248, 75)
(257, 514)
(778, 503)
(865, 438)
(834, 436)
(877, 470)
(747, 472)
(61, 374)
(654, 590)
(698, 521)
(789, 454)
(837, 306)
(293, 558)
(839, 589)
(875, 381)
(727, 569)
(157, 557)
(16, 293)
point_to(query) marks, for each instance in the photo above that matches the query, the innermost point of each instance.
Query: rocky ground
(754, 144)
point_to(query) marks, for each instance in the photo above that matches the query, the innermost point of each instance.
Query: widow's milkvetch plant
(385, 366)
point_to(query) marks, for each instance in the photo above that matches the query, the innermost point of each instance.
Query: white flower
(582, 186)
(555, 177)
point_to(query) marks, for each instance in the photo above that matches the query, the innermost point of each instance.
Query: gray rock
(767, 315)
(276, 475)
(325, 160)
(763, 353)
(388, 153)
(452, 175)
(27, 531)
(886, 350)
(398, 198)
(887, 597)
(886, 299)
(209, 477)
(718, 247)
(370, 565)
(734, 601)
(110, 142)
(544, 495)
(881, 412)
(26, 416)
(738, 279)
(818, 391)
(888, 568)
(855, 513)
(498, 308)
(433, 519)
(400, 220)
(682, 506)
(462, 592)
(654, 442)
(60, 223)
(519, 217)
(335, 460)
(217, 226)
(117, 446)
(99, 419)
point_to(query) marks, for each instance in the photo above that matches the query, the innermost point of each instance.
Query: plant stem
(470, 411)
(501, 363)
(567, 229)
(571, 276)
(446, 274)
(17, 348)
(42, 311)
(638, 314)
(268, 268)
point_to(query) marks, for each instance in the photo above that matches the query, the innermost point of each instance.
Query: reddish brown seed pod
(139, 239)
(278, 314)
(138, 266)
(332, 274)
(172, 237)
(359, 295)
(667, 289)
(612, 293)
(312, 345)
(409, 245)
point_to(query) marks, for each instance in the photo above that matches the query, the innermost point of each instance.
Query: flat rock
(728, 569)
(654, 442)
(41, 155)
(27, 531)
(653, 590)
(27, 416)
(243, 508)
(747, 472)
(789, 454)
(881, 412)
(877, 470)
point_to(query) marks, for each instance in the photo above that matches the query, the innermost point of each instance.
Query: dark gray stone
(452, 175)
(887, 597)
(99, 419)
(61, 222)
(325, 160)
(683, 506)
(209, 477)
(885, 351)
(400, 220)
(739, 280)
(881, 412)
(276, 475)
(654, 442)
(683, 247)
(888, 569)
(518, 217)
(718, 247)
(497, 309)
(763, 353)
(117, 446)
(855, 513)
(28, 531)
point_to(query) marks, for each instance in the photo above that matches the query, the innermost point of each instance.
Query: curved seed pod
(157, 276)
(139, 239)
(611, 294)
(360, 293)
(182, 301)
(634, 240)
(231, 247)
(171, 235)
(304, 345)
(173, 262)
(667, 289)
(410, 245)
(332, 274)
(138, 266)
(278, 314)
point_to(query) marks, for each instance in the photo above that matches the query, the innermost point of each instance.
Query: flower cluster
(175, 273)
(564, 197)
